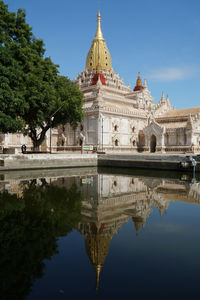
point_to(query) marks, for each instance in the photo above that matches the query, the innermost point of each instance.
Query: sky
(160, 39)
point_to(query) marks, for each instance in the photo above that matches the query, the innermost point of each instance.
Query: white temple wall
(91, 130)
(189, 138)
(16, 140)
(172, 139)
(113, 128)
(113, 185)
(181, 140)
(194, 140)
(69, 136)
(178, 138)
(120, 130)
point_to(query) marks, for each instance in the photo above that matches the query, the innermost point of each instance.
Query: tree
(34, 97)
(29, 228)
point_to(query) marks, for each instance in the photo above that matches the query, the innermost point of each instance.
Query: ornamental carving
(154, 128)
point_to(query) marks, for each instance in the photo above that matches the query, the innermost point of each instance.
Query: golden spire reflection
(97, 248)
(137, 222)
(98, 271)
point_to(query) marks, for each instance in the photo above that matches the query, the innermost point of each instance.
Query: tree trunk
(36, 146)
(37, 141)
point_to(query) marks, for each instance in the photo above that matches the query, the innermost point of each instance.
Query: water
(76, 233)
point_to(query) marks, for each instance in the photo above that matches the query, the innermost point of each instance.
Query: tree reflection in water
(29, 227)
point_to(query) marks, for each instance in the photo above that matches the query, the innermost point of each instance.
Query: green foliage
(31, 89)
(29, 228)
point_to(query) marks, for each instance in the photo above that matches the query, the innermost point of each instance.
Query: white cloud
(172, 73)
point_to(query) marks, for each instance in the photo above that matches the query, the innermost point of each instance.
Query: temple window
(116, 143)
(133, 129)
(115, 183)
(134, 143)
(115, 127)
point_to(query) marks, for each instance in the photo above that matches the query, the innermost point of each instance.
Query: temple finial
(138, 86)
(145, 84)
(98, 5)
(163, 96)
(99, 34)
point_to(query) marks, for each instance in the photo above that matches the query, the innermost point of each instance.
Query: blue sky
(161, 39)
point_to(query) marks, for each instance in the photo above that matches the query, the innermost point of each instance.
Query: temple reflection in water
(121, 198)
(111, 200)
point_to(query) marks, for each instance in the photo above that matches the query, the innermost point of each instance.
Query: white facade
(119, 119)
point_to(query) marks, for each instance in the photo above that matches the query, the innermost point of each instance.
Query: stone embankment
(150, 161)
(46, 161)
(145, 161)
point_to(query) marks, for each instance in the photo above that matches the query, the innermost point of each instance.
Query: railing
(179, 149)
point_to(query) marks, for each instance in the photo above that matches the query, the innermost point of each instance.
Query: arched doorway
(153, 143)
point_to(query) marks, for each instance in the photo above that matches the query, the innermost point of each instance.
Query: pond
(99, 234)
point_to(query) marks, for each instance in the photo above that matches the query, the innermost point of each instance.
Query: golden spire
(99, 34)
(98, 53)
(138, 83)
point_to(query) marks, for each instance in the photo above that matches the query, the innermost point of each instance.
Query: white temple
(117, 118)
